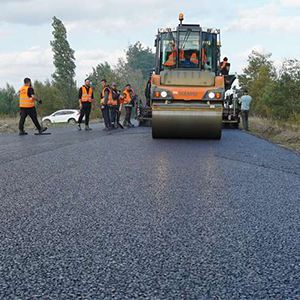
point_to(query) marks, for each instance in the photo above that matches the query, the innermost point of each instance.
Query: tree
(64, 62)
(256, 62)
(101, 71)
(281, 97)
(50, 95)
(256, 77)
(140, 58)
(9, 100)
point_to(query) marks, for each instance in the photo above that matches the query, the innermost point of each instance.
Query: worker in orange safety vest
(105, 103)
(27, 101)
(86, 101)
(128, 103)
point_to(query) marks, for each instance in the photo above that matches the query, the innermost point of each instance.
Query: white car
(63, 116)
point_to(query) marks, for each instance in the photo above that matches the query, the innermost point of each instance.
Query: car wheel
(72, 121)
(47, 122)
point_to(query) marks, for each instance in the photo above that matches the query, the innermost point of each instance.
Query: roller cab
(186, 94)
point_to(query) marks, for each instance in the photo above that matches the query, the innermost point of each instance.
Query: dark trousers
(245, 115)
(128, 110)
(31, 112)
(85, 111)
(105, 114)
(114, 114)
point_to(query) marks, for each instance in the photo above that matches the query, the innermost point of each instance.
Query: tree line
(61, 90)
(275, 93)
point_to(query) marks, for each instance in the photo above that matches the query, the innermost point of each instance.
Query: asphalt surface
(95, 215)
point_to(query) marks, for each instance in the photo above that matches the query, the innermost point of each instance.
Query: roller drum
(187, 121)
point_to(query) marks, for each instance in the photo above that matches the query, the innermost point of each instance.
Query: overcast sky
(100, 30)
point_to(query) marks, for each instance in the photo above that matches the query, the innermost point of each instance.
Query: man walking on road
(86, 101)
(106, 100)
(27, 107)
(128, 104)
(245, 102)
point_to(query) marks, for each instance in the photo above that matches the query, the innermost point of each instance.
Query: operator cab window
(209, 52)
(189, 50)
(168, 53)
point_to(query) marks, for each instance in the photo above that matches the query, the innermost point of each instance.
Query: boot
(22, 132)
(43, 129)
(87, 127)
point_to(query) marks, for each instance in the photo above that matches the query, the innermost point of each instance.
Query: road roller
(185, 93)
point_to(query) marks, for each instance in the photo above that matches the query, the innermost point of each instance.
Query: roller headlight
(164, 94)
(211, 95)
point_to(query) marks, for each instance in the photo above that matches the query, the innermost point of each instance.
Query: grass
(285, 134)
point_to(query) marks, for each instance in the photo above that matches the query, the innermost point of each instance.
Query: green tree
(280, 99)
(140, 58)
(101, 71)
(64, 62)
(9, 100)
(256, 77)
(50, 95)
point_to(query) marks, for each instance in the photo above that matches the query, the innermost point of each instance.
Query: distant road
(95, 215)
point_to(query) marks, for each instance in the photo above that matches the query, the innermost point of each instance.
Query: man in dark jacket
(114, 108)
(224, 67)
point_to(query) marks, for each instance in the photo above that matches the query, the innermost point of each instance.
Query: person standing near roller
(245, 102)
(114, 109)
(27, 101)
(105, 102)
(224, 67)
(86, 101)
(128, 104)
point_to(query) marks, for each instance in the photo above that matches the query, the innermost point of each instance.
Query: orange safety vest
(86, 96)
(194, 58)
(114, 102)
(127, 100)
(110, 99)
(25, 101)
(172, 58)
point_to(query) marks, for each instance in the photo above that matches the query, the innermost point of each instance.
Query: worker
(187, 63)
(245, 102)
(106, 100)
(225, 66)
(128, 104)
(27, 101)
(171, 61)
(86, 101)
(194, 58)
(114, 107)
(121, 100)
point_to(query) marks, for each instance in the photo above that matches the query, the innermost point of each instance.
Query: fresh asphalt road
(118, 215)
